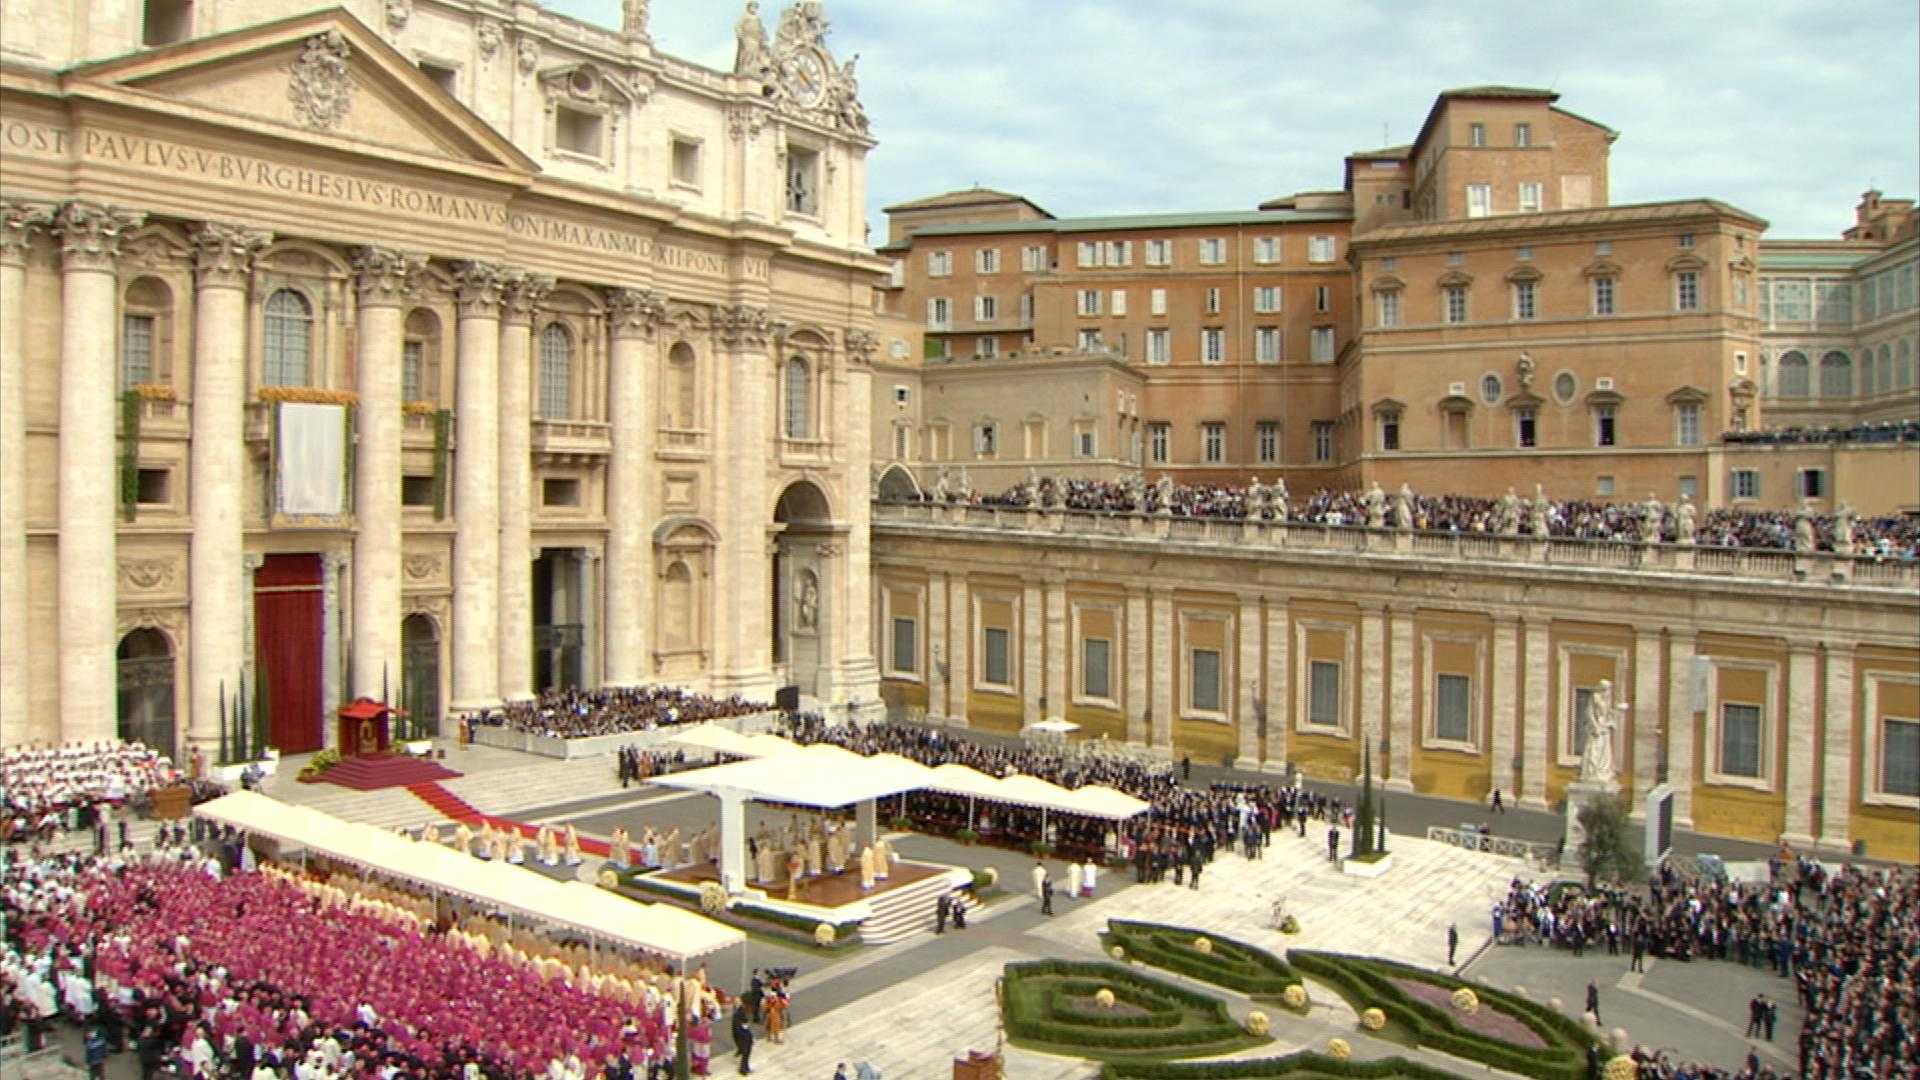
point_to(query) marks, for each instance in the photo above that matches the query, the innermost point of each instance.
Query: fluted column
(1506, 674)
(1247, 678)
(634, 314)
(959, 650)
(1836, 786)
(1373, 682)
(476, 488)
(384, 280)
(745, 332)
(1032, 635)
(1163, 666)
(523, 294)
(1138, 677)
(1279, 689)
(1644, 715)
(1802, 699)
(1537, 708)
(18, 222)
(1059, 665)
(859, 670)
(937, 650)
(1400, 702)
(222, 590)
(1680, 724)
(90, 237)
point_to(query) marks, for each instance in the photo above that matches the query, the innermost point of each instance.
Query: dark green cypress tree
(1363, 832)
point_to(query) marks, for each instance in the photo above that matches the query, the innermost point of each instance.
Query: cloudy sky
(1787, 109)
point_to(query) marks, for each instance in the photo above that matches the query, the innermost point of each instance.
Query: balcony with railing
(571, 442)
(677, 442)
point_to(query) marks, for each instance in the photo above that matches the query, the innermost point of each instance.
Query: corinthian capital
(90, 233)
(635, 312)
(223, 254)
(744, 326)
(480, 286)
(19, 220)
(861, 345)
(524, 293)
(384, 277)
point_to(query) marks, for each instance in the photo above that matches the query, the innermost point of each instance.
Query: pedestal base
(1377, 868)
(1580, 794)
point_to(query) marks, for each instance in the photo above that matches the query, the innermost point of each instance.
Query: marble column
(1032, 669)
(959, 660)
(333, 635)
(1643, 716)
(1537, 711)
(476, 488)
(859, 670)
(1247, 676)
(90, 236)
(18, 222)
(1837, 751)
(1372, 687)
(1802, 699)
(522, 295)
(1400, 702)
(222, 590)
(1162, 664)
(633, 316)
(938, 652)
(1059, 662)
(1279, 689)
(1680, 723)
(745, 333)
(1138, 677)
(1504, 737)
(384, 281)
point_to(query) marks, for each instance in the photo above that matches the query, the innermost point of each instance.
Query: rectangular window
(1813, 483)
(577, 131)
(1157, 302)
(1792, 301)
(1479, 200)
(1026, 308)
(1523, 134)
(1087, 253)
(1159, 252)
(1089, 339)
(1523, 300)
(1389, 431)
(939, 313)
(1524, 427)
(1603, 486)
(1266, 249)
(906, 650)
(1213, 301)
(803, 181)
(1832, 303)
(939, 263)
(1213, 251)
(1740, 740)
(686, 162)
(154, 487)
(1204, 694)
(1686, 290)
(995, 669)
(413, 359)
(563, 492)
(1213, 443)
(1119, 301)
(1452, 708)
(1323, 693)
(1267, 442)
(1096, 668)
(1603, 296)
(1900, 757)
(1033, 258)
(1687, 424)
(1119, 253)
(1456, 300)
(136, 351)
(1213, 345)
(1582, 701)
(1746, 484)
(1529, 197)
(1157, 439)
(1322, 344)
(1322, 298)
(1266, 299)
(1084, 444)
(1266, 344)
(1476, 134)
(1323, 440)
(986, 346)
(1603, 425)
(986, 439)
(1387, 303)
(416, 491)
(986, 308)
(1320, 249)
(1690, 486)
(1087, 302)
(1686, 240)
(986, 261)
(1157, 349)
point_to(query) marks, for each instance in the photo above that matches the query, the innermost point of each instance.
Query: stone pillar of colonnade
(18, 222)
(523, 295)
(634, 315)
(476, 488)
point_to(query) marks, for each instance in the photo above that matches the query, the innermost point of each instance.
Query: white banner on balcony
(312, 442)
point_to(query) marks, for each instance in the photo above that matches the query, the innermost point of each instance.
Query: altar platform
(892, 910)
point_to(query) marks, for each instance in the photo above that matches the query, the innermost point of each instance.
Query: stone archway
(803, 613)
(145, 681)
(897, 484)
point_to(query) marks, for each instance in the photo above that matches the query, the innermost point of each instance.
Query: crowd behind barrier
(579, 714)
(1885, 431)
(44, 790)
(1849, 939)
(1887, 537)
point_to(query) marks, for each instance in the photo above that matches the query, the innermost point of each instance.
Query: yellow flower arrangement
(823, 934)
(1295, 996)
(309, 395)
(1257, 1023)
(1622, 1068)
(155, 392)
(1373, 1019)
(419, 408)
(1118, 953)
(1202, 945)
(1103, 997)
(1466, 1000)
(1338, 1050)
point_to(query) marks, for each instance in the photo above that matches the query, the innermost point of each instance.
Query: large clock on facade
(805, 75)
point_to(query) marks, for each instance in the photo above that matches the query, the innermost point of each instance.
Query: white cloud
(1786, 109)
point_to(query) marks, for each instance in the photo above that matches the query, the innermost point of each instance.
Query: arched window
(676, 601)
(1904, 373)
(799, 400)
(1793, 375)
(683, 388)
(556, 372)
(144, 321)
(1836, 375)
(289, 338)
(420, 357)
(1886, 368)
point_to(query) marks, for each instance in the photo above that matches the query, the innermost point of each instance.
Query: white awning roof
(820, 775)
(714, 737)
(656, 928)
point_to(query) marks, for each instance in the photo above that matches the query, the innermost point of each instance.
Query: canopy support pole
(866, 821)
(733, 841)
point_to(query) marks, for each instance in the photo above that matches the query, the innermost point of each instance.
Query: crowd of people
(1849, 939)
(47, 790)
(1889, 537)
(579, 714)
(1884, 431)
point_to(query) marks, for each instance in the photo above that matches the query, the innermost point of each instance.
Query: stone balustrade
(1534, 851)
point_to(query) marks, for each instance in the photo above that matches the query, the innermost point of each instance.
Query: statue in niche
(807, 604)
(1603, 715)
(1523, 369)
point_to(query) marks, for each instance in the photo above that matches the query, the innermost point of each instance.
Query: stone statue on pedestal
(1843, 541)
(1164, 489)
(751, 56)
(1256, 498)
(1652, 514)
(1684, 521)
(1537, 513)
(1803, 529)
(1279, 500)
(1403, 508)
(1509, 519)
(1596, 760)
(1376, 507)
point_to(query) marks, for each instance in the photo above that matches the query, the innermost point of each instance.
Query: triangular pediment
(322, 76)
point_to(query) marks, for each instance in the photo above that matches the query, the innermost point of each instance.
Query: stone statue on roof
(751, 56)
(1684, 522)
(1376, 507)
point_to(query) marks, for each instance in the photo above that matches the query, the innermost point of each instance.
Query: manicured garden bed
(1302, 1066)
(1225, 962)
(1052, 1006)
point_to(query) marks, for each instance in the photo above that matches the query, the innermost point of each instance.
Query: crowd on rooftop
(578, 714)
(1884, 431)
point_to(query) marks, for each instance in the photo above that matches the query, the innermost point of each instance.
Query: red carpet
(390, 770)
(455, 808)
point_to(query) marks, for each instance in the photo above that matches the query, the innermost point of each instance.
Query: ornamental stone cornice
(480, 287)
(861, 345)
(634, 312)
(223, 254)
(745, 326)
(90, 234)
(523, 293)
(384, 277)
(19, 220)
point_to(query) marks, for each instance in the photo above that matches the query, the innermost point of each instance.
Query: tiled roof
(1525, 93)
(1122, 222)
(1388, 153)
(965, 197)
(1813, 260)
(1629, 214)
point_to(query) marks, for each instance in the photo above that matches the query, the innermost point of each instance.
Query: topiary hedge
(1302, 1066)
(1228, 963)
(1177, 1021)
(1367, 982)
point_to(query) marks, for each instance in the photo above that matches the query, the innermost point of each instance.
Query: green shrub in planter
(966, 836)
